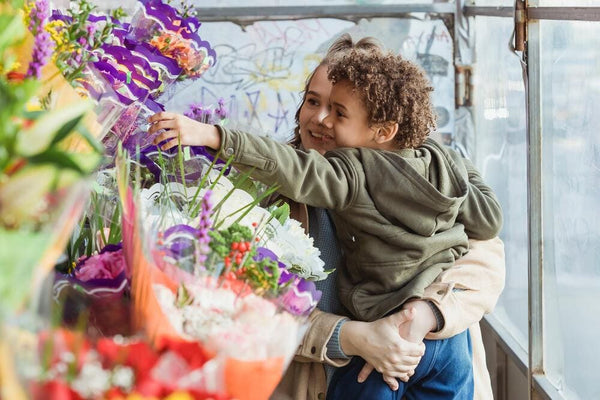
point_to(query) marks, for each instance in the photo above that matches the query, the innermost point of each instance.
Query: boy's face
(349, 119)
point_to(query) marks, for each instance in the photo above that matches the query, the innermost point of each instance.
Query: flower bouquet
(46, 155)
(68, 365)
(204, 268)
(173, 36)
(42, 175)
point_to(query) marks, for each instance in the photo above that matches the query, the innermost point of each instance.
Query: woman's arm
(314, 344)
(470, 288)
(461, 295)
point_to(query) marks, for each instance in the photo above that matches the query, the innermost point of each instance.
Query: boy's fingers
(161, 116)
(170, 144)
(165, 135)
(162, 124)
(364, 373)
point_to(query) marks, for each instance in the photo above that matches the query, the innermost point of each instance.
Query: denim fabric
(444, 373)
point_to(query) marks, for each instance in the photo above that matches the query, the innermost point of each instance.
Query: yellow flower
(179, 396)
(137, 396)
(27, 7)
(57, 32)
(33, 105)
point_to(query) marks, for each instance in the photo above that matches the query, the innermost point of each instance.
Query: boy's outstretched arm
(179, 129)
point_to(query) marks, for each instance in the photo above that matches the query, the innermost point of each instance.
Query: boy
(402, 204)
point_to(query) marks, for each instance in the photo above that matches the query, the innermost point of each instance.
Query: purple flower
(43, 45)
(301, 298)
(108, 264)
(179, 240)
(205, 224)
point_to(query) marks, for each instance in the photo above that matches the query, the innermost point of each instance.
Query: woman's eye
(312, 102)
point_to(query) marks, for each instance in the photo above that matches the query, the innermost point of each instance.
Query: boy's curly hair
(339, 46)
(391, 88)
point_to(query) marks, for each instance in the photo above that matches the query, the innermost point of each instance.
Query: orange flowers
(174, 46)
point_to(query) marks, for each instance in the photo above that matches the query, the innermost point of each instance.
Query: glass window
(571, 179)
(494, 3)
(262, 70)
(257, 3)
(568, 3)
(500, 137)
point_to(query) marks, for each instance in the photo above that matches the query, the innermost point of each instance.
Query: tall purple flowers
(204, 227)
(43, 45)
(207, 115)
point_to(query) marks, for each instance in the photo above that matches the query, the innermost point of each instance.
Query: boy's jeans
(445, 372)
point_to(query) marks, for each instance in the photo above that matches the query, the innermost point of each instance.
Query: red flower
(55, 390)
(111, 353)
(192, 352)
(150, 388)
(16, 77)
(142, 358)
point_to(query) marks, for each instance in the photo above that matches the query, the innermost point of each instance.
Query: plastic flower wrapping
(46, 155)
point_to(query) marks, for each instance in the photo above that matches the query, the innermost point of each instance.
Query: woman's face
(314, 133)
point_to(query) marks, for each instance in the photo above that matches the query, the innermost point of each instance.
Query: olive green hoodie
(402, 217)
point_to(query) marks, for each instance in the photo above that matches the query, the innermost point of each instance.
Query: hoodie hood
(430, 192)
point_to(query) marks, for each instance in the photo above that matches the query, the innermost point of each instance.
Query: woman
(455, 302)
(393, 345)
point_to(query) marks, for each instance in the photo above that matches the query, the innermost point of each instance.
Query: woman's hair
(340, 46)
(391, 88)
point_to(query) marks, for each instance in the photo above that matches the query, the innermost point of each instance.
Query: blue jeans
(444, 373)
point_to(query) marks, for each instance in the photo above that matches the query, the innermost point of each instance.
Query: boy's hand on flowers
(177, 128)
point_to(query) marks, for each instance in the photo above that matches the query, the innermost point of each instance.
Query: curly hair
(391, 88)
(339, 46)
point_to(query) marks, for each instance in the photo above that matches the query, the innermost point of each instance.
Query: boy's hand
(418, 327)
(177, 128)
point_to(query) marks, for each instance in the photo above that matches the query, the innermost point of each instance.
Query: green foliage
(221, 240)
(281, 213)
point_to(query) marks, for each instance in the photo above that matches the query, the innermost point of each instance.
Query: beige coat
(479, 278)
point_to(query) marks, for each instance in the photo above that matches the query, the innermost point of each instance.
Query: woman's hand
(379, 343)
(177, 128)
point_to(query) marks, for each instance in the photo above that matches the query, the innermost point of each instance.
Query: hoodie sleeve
(480, 213)
(303, 176)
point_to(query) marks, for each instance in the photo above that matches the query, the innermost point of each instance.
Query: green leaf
(57, 158)
(90, 139)
(66, 129)
(41, 135)
(20, 252)
(281, 213)
(12, 29)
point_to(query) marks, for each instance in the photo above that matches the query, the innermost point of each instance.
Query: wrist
(214, 137)
(424, 314)
(349, 337)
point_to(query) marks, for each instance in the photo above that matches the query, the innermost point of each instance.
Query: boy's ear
(386, 132)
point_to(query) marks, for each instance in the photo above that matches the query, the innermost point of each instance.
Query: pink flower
(106, 265)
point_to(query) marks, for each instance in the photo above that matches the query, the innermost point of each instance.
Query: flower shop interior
(134, 272)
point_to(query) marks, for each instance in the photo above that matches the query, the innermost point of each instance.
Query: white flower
(123, 377)
(92, 381)
(295, 249)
